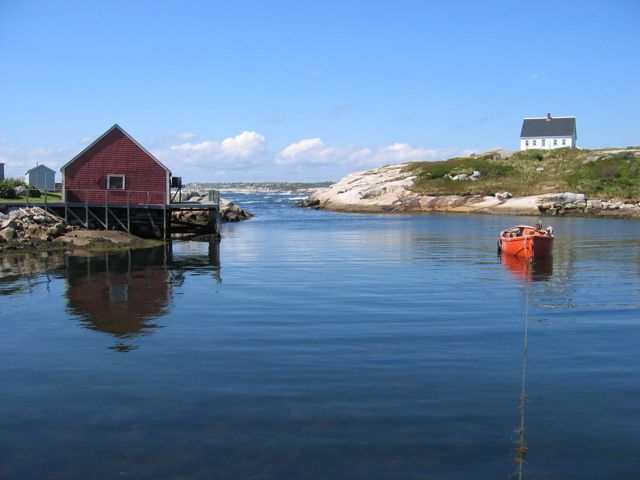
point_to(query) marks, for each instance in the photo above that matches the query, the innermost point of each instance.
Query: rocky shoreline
(35, 229)
(229, 211)
(389, 189)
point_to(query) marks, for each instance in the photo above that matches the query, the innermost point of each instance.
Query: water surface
(312, 344)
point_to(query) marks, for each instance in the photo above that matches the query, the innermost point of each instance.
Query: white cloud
(313, 151)
(201, 160)
(186, 136)
(244, 145)
(241, 147)
(243, 157)
(18, 159)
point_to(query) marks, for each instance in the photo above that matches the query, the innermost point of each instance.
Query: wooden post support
(164, 219)
(128, 211)
(106, 211)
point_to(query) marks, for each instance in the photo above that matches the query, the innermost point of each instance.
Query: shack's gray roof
(541, 127)
(38, 167)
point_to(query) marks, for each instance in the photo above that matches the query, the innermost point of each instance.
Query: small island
(564, 181)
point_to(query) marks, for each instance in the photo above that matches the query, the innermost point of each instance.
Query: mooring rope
(521, 450)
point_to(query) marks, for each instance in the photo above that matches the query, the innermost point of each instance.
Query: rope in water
(521, 450)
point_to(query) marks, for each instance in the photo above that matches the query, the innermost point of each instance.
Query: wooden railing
(114, 197)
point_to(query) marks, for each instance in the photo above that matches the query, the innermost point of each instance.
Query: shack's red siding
(115, 154)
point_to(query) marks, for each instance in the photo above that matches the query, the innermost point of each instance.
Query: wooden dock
(97, 210)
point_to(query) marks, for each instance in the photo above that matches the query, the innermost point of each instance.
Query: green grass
(598, 175)
(51, 198)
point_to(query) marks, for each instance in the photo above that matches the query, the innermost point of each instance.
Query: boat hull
(527, 246)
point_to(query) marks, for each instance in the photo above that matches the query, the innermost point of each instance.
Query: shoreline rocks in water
(389, 189)
(229, 211)
(35, 229)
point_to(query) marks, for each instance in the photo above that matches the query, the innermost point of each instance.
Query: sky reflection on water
(336, 346)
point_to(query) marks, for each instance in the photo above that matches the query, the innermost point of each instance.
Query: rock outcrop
(389, 189)
(33, 228)
(229, 211)
(31, 224)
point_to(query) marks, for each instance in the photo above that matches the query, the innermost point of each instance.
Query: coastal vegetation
(16, 190)
(603, 174)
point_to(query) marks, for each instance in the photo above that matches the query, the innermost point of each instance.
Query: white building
(41, 177)
(548, 132)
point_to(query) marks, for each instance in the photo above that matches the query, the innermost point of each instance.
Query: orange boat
(526, 242)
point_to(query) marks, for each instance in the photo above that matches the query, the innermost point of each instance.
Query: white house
(548, 132)
(41, 177)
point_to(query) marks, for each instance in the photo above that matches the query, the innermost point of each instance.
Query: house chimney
(548, 117)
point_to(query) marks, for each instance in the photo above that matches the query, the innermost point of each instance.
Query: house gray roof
(37, 167)
(542, 127)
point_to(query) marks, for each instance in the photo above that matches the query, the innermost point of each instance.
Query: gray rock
(374, 192)
(8, 224)
(503, 195)
(8, 233)
(540, 169)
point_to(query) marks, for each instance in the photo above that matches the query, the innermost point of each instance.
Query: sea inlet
(316, 345)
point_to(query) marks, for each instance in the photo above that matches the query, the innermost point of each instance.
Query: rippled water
(319, 345)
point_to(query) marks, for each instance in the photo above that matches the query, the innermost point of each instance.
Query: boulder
(8, 224)
(374, 192)
(503, 195)
(8, 233)
(309, 203)
(594, 204)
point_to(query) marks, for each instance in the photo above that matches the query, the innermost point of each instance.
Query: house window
(115, 182)
(564, 141)
(526, 142)
(555, 141)
(543, 142)
(534, 143)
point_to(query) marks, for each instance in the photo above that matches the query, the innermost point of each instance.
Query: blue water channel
(316, 345)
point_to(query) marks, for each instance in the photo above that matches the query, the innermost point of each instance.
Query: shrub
(34, 191)
(7, 190)
(14, 182)
(537, 155)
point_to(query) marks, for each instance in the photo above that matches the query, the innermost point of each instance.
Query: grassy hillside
(606, 173)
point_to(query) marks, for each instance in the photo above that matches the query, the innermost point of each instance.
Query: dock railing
(114, 198)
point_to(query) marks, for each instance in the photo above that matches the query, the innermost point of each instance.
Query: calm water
(316, 345)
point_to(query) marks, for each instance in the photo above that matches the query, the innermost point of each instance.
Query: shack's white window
(115, 182)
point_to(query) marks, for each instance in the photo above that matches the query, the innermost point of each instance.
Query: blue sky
(310, 90)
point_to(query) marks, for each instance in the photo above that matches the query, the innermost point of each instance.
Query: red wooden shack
(116, 170)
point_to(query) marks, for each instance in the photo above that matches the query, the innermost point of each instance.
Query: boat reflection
(123, 294)
(538, 269)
